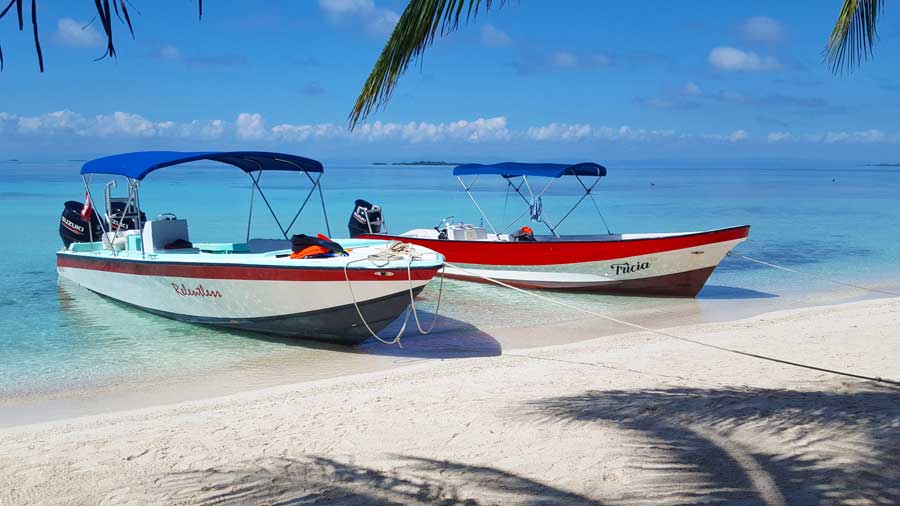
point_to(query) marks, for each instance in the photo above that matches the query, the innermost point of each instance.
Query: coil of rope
(394, 251)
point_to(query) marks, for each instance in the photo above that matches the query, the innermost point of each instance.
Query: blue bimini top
(514, 169)
(138, 165)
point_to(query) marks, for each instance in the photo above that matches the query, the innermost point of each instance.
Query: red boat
(672, 264)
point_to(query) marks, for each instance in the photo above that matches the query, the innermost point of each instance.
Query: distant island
(421, 162)
(882, 165)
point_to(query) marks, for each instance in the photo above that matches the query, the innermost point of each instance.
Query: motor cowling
(366, 218)
(74, 228)
(129, 221)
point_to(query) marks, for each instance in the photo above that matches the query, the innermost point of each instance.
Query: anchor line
(677, 337)
(396, 251)
(811, 274)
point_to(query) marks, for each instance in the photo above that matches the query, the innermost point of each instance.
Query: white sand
(625, 419)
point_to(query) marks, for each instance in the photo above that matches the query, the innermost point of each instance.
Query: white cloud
(169, 52)
(779, 136)
(763, 29)
(735, 136)
(732, 59)
(376, 20)
(302, 133)
(479, 130)
(250, 126)
(117, 124)
(493, 36)
(691, 88)
(564, 59)
(861, 136)
(382, 22)
(76, 34)
(341, 8)
(580, 131)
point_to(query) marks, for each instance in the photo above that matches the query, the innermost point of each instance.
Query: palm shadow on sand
(830, 447)
(323, 480)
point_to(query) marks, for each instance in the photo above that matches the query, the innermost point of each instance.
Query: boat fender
(524, 234)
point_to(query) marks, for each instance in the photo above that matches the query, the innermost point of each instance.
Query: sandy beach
(632, 418)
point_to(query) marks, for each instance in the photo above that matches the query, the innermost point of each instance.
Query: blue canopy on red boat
(138, 165)
(514, 169)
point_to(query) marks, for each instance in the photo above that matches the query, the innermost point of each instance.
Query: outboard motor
(129, 221)
(366, 218)
(73, 228)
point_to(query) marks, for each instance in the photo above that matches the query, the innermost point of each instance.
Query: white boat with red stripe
(666, 264)
(319, 290)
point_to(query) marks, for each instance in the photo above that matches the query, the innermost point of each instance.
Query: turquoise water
(842, 223)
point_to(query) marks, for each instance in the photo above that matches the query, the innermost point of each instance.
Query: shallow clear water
(841, 223)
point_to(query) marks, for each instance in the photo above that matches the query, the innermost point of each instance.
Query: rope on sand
(673, 336)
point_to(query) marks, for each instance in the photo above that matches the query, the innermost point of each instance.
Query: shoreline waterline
(453, 339)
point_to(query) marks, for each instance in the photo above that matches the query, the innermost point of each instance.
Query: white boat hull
(296, 299)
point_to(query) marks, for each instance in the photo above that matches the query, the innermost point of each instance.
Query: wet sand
(625, 418)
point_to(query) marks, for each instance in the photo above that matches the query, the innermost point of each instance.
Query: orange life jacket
(309, 251)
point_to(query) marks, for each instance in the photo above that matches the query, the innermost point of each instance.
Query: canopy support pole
(322, 200)
(250, 214)
(590, 193)
(271, 211)
(531, 203)
(469, 193)
(303, 205)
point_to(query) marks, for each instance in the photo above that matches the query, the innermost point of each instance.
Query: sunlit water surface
(58, 339)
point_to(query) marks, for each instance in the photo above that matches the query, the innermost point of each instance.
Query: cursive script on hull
(197, 291)
(627, 267)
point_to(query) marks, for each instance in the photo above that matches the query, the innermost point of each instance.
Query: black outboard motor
(365, 215)
(73, 228)
(128, 222)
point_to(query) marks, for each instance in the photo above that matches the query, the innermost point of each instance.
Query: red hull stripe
(243, 272)
(565, 252)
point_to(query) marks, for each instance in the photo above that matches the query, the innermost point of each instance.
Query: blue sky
(699, 82)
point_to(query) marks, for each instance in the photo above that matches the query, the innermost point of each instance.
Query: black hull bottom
(339, 325)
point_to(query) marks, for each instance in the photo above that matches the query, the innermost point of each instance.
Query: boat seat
(159, 233)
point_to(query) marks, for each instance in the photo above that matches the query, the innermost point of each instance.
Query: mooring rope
(673, 336)
(396, 250)
(812, 274)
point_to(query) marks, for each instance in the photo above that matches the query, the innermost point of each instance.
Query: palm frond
(854, 35)
(104, 14)
(414, 32)
(37, 38)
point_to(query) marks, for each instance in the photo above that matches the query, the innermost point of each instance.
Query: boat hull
(665, 265)
(310, 303)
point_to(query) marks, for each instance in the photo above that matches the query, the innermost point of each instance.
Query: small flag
(87, 210)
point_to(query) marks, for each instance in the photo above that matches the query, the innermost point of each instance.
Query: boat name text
(198, 291)
(627, 267)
